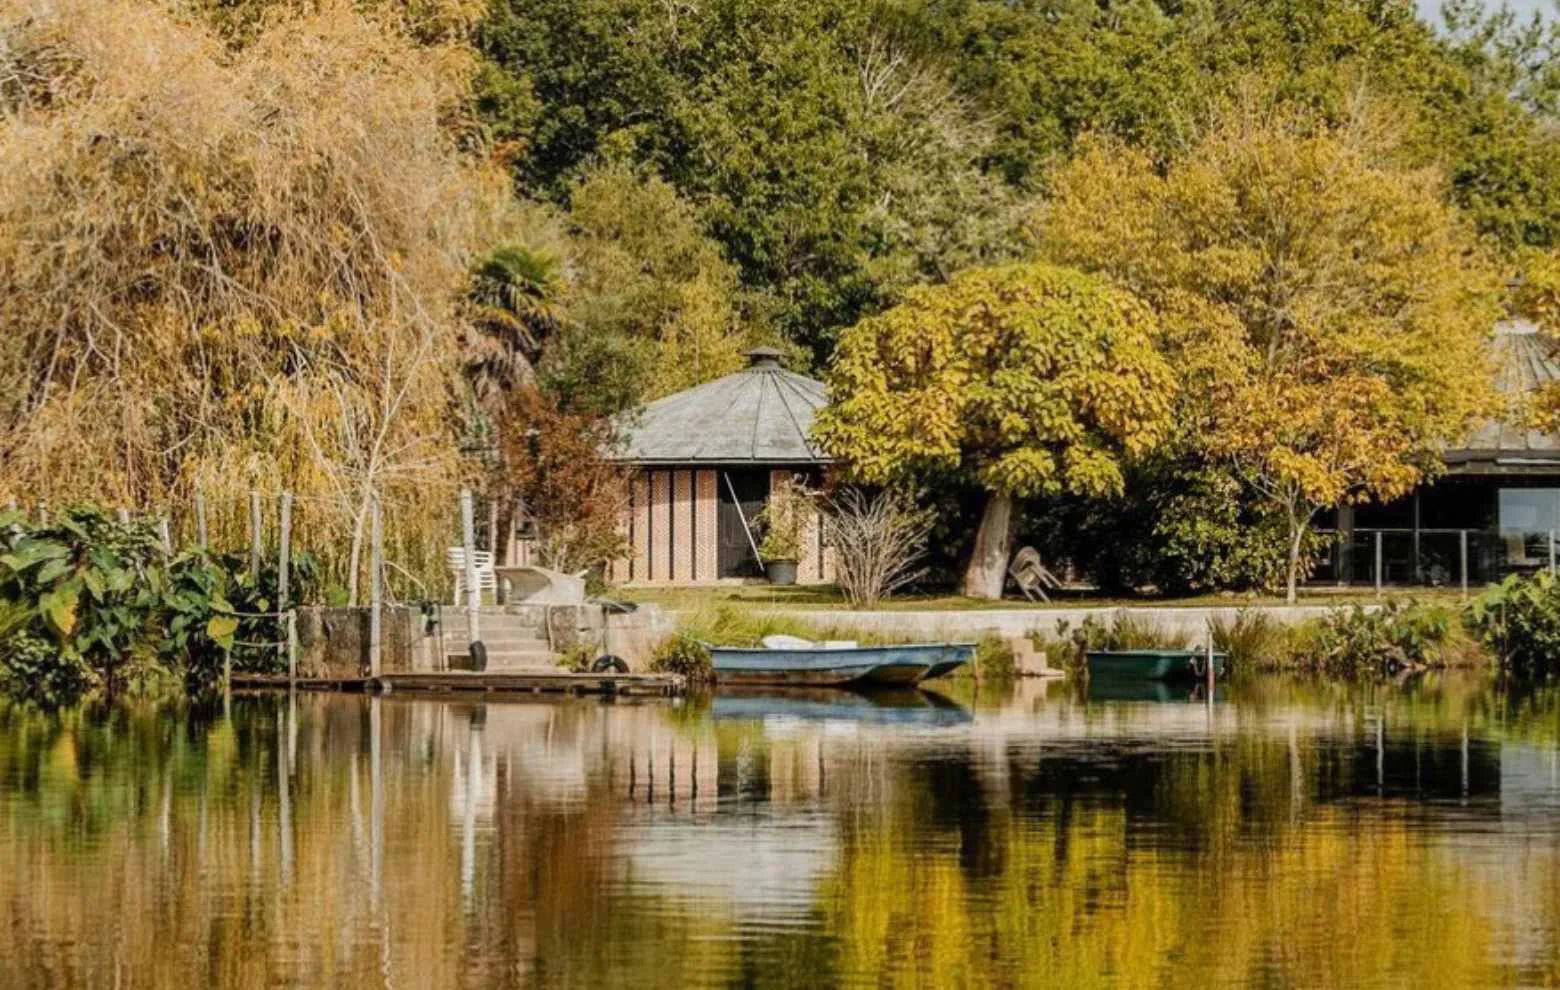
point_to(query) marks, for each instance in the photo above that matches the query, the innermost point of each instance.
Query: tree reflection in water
(1287, 834)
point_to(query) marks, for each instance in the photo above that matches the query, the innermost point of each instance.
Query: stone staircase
(515, 643)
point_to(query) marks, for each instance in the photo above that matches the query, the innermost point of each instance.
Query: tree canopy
(1024, 380)
(1329, 310)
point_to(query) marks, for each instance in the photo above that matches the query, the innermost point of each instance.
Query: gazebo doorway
(741, 497)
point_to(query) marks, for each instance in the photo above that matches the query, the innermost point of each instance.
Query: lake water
(1284, 835)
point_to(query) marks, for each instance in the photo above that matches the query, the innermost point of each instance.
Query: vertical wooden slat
(682, 526)
(706, 508)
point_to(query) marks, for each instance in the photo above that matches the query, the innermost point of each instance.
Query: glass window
(1529, 510)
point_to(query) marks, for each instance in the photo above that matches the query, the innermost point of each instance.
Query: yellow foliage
(234, 267)
(1026, 379)
(1330, 313)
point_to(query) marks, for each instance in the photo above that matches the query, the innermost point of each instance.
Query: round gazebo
(706, 460)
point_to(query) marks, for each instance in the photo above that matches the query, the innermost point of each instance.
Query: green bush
(1518, 621)
(994, 659)
(685, 656)
(1382, 641)
(88, 601)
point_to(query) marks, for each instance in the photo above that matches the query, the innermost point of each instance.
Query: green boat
(1154, 665)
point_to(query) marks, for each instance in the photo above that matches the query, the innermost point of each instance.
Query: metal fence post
(1378, 563)
(1462, 549)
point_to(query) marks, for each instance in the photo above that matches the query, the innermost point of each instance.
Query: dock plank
(443, 682)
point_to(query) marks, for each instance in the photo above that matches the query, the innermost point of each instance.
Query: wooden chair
(1029, 572)
(487, 578)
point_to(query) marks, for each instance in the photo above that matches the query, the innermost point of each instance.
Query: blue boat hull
(864, 665)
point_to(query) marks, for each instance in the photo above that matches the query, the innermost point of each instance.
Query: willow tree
(1329, 310)
(1024, 380)
(235, 267)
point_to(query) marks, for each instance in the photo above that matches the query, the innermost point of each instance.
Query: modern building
(1495, 512)
(705, 462)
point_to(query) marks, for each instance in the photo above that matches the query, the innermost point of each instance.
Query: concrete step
(508, 661)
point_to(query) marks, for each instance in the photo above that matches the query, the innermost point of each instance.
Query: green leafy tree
(828, 151)
(1023, 380)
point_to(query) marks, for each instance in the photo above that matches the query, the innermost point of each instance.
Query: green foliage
(87, 601)
(994, 660)
(782, 522)
(1376, 642)
(826, 144)
(577, 659)
(1518, 620)
(685, 656)
(1252, 639)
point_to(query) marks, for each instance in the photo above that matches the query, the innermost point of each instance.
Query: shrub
(685, 656)
(878, 543)
(1518, 620)
(782, 522)
(994, 659)
(87, 599)
(1251, 639)
(1383, 641)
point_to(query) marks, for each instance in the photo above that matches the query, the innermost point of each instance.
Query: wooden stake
(167, 537)
(254, 535)
(473, 589)
(292, 646)
(200, 521)
(124, 515)
(375, 587)
(284, 559)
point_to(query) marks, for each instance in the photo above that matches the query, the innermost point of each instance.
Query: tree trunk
(988, 561)
(1297, 527)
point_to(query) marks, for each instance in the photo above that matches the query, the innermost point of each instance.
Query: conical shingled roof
(760, 415)
(1525, 360)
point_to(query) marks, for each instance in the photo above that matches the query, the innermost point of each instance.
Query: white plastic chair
(487, 579)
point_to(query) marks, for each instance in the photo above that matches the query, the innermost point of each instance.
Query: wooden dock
(513, 682)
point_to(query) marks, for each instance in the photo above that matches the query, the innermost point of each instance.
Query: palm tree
(513, 294)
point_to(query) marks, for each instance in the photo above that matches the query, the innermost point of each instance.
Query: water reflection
(1284, 834)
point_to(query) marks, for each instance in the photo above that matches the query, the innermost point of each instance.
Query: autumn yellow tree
(1328, 310)
(1024, 380)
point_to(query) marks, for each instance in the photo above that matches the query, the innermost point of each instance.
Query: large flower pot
(780, 571)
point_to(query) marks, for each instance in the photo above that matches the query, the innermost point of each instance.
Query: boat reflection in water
(1129, 689)
(897, 707)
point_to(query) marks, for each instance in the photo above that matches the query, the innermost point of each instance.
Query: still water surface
(1286, 835)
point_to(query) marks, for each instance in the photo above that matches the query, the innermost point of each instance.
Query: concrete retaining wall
(333, 642)
(967, 625)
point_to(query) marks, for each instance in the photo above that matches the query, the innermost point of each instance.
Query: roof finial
(762, 357)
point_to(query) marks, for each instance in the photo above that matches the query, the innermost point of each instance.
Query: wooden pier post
(473, 588)
(292, 647)
(254, 535)
(284, 557)
(200, 521)
(375, 586)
